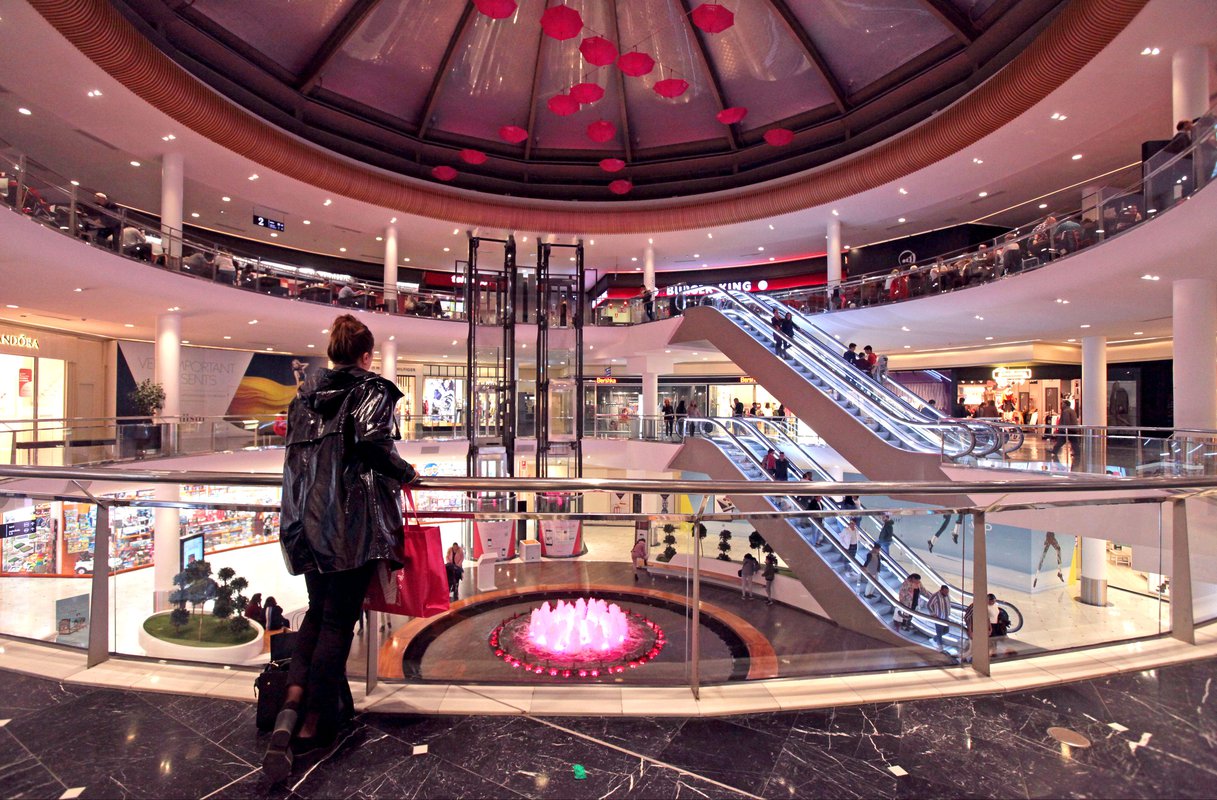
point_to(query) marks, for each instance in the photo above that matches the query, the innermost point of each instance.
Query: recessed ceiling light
(525, 239)
(445, 355)
(174, 308)
(1058, 116)
(128, 325)
(592, 242)
(1138, 333)
(380, 238)
(988, 338)
(836, 213)
(978, 161)
(327, 202)
(904, 328)
(1043, 205)
(270, 348)
(10, 305)
(697, 255)
(978, 316)
(903, 190)
(1148, 277)
(406, 260)
(633, 258)
(771, 258)
(307, 221)
(194, 214)
(254, 177)
(274, 236)
(447, 250)
(393, 221)
(1071, 340)
(25, 112)
(650, 241)
(325, 330)
(908, 347)
(227, 337)
(1084, 326)
(902, 219)
(704, 264)
(342, 249)
(168, 137)
(709, 236)
(761, 249)
(185, 341)
(1151, 51)
(75, 183)
(94, 93)
(78, 289)
(226, 199)
(982, 194)
(770, 226)
(454, 342)
(135, 163)
(1076, 156)
(253, 322)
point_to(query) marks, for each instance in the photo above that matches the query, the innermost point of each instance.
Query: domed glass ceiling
(408, 84)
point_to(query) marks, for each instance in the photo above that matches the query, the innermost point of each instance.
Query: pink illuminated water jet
(585, 626)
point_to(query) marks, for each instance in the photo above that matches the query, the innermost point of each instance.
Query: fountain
(586, 638)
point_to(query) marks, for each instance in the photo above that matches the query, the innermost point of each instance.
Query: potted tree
(724, 545)
(148, 398)
(669, 539)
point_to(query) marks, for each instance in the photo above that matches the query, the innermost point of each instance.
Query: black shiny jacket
(341, 477)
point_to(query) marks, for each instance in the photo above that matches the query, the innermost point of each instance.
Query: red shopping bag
(420, 588)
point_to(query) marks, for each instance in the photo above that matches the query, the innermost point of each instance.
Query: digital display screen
(192, 549)
(266, 222)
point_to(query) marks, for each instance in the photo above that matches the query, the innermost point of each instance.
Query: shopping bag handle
(410, 507)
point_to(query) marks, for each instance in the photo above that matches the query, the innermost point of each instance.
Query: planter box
(234, 654)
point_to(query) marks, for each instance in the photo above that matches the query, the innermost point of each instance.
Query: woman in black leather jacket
(340, 516)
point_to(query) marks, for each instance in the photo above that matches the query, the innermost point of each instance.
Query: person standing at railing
(669, 416)
(747, 572)
(341, 519)
(682, 411)
(769, 573)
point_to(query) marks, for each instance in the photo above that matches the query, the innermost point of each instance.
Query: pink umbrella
(512, 134)
(473, 157)
(730, 116)
(561, 22)
(670, 87)
(587, 93)
(496, 9)
(598, 51)
(601, 130)
(636, 64)
(712, 18)
(620, 186)
(612, 165)
(779, 136)
(444, 173)
(563, 105)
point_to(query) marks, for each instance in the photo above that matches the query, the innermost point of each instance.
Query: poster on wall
(25, 382)
(561, 538)
(494, 537)
(218, 382)
(440, 399)
(620, 502)
(72, 620)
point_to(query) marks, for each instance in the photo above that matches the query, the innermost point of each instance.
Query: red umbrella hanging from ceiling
(730, 116)
(587, 92)
(712, 17)
(443, 173)
(496, 9)
(601, 130)
(561, 22)
(670, 87)
(779, 136)
(563, 105)
(620, 186)
(612, 165)
(512, 134)
(598, 51)
(636, 64)
(473, 157)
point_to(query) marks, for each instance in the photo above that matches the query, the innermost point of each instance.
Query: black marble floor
(1153, 734)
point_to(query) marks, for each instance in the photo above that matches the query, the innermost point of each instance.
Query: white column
(388, 359)
(650, 394)
(167, 362)
(173, 182)
(1194, 324)
(166, 544)
(648, 267)
(1189, 83)
(834, 251)
(390, 275)
(1094, 412)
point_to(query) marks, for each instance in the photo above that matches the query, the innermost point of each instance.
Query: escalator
(734, 449)
(882, 433)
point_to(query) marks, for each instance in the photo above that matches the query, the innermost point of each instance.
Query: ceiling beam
(347, 26)
(462, 27)
(716, 83)
(961, 27)
(622, 109)
(809, 47)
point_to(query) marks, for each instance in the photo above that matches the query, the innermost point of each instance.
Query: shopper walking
(340, 517)
(910, 596)
(638, 555)
(770, 461)
(454, 566)
(871, 567)
(1066, 427)
(849, 539)
(939, 605)
(746, 573)
(769, 574)
(787, 326)
(887, 533)
(781, 468)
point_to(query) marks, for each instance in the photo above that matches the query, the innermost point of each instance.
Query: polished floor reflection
(1151, 734)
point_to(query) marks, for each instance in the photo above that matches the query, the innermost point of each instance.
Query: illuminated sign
(747, 379)
(907, 258)
(18, 340)
(267, 222)
(606, 380)
(1004, 375)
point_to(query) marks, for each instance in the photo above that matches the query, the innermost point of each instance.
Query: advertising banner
(561, 538)
(620, 502)
(72, 620)
(495, 537)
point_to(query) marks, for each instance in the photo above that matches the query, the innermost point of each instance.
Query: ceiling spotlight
(1043, 205)
(1138, 333)
(94, 93)
(342, 249)
(227, 337)
(988, 338)
(194, 214)
(274, 236)
(78, 289)
(169, 137)
(406, 260)
(135, 163)
(328, 202)
(908, 347)
(75, 183)
(978, 316)
(761, 249)
(1150, 51)
(455, 231)
(983, 194)
(1071, 340)
(771, 258)
(226, 199)
(380, 238)
(310, 346)
(307, 221)
(904, 328)
(253, 322)
(902, 219)
(770, 226)
(128, 325)
(978, 161)
(447, 250)
(254, 177)
(836, 213)
(393, 221)
(633, 258)
(1076, 156)
(592, 242)
(270, 349)
(903, 190)
(10, 305)
(650, 241)
(25, 112)
(1084, 326)
(1058, 116)
(325, 330)
(697, 255)
(1148, 277)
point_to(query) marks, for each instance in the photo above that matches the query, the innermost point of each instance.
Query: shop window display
(224, 530)
(28, 539)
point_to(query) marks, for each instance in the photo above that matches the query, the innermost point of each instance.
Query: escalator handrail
(930, 431)
(923, 568)
(887, 594)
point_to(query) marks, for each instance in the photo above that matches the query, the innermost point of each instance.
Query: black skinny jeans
(335, 601)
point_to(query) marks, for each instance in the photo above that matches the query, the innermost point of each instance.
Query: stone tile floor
(1152, 734)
